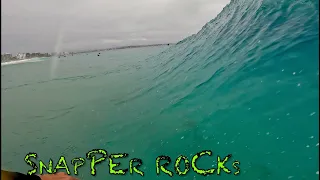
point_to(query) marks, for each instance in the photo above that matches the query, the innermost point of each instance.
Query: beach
(20, 61)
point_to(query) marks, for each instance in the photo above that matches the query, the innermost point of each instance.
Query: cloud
(111, 41)
(35, 25)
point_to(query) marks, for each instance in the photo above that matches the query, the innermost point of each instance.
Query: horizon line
(94, 50)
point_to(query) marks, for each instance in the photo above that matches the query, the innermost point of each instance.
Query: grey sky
(54, 25)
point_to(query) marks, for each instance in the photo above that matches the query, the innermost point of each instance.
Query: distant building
(64, 53)
(6, 57)
(21, 56)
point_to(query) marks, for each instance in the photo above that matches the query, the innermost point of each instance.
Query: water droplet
(282, 70)
(278, 81)
(249, 109)
(317, 144)
(218, 143)
(298, 84)
(294, 73)
(311, 137)
(290, 177)
(267, 133)
(288, 114)
(317, 172)
(283, 152)
(277, 137)
(307, 146)
(313, 113)
(225, 134)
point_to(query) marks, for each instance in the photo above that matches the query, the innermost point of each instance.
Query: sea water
(247, 84)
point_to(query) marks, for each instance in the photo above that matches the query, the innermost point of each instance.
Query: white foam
(20, 61)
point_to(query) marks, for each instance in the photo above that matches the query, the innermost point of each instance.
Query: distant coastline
(15, 62)
(26, 57)
(122, 47)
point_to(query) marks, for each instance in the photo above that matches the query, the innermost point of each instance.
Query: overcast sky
(55, 25)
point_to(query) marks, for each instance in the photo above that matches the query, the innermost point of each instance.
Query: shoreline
(121, 47)
(82, 52)
(17, 61)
